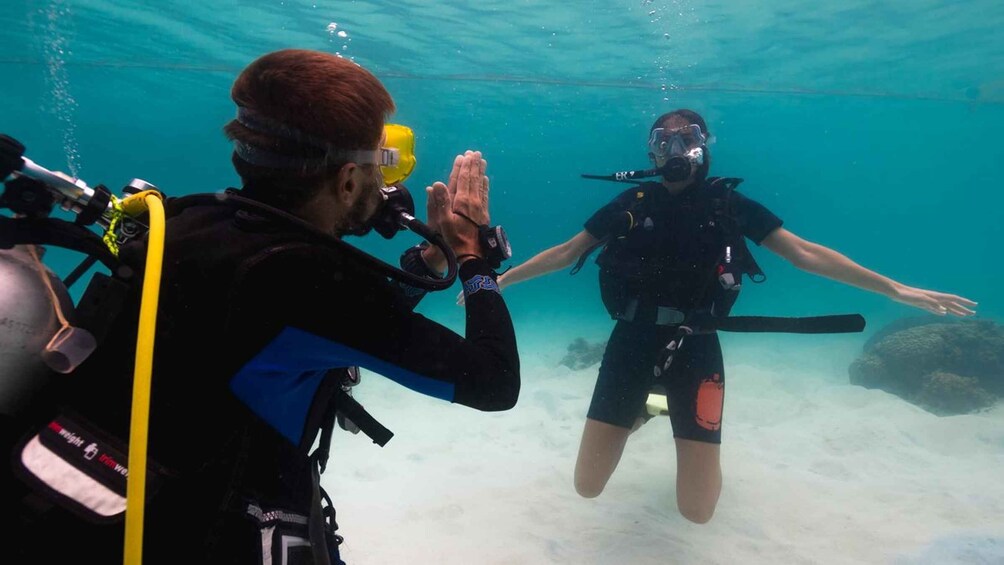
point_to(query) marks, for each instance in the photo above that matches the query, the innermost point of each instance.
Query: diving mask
(396, 156)
(663, 142)
(677, 154)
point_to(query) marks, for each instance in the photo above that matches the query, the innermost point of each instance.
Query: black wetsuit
(253, 318)
(675, 248)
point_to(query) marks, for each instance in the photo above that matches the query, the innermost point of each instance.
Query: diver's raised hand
(938, 303)
(438, 205)
(468, 187)
(466, 195)
(442, 207)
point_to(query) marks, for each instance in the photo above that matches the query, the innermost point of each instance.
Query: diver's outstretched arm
(823, 261)
(547, 261)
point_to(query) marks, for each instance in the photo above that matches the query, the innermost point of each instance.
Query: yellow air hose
(142, 376)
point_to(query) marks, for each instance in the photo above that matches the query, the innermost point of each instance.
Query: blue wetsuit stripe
(265, 386)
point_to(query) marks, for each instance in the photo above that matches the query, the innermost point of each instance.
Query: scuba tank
(28, 322)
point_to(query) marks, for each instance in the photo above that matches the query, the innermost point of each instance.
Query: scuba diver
(265, 315)
(671, 267)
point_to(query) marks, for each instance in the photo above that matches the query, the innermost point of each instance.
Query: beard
(365, 209)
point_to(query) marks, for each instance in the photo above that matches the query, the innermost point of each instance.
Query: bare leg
(698, 479)
(600, 451)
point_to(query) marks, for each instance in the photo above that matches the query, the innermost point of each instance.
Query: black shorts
(694, 384)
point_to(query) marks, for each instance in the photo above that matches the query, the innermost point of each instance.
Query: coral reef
(945, 368)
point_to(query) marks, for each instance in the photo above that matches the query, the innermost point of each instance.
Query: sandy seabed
(816, 470)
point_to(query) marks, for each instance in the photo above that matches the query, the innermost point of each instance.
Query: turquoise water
(869, 127)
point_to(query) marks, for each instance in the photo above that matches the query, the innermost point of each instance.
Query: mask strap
(269, 159)
(264, 158)
(265, 125)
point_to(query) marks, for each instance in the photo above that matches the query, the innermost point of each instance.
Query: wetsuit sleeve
(755, 220)
(323, 313)
(412, 262)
